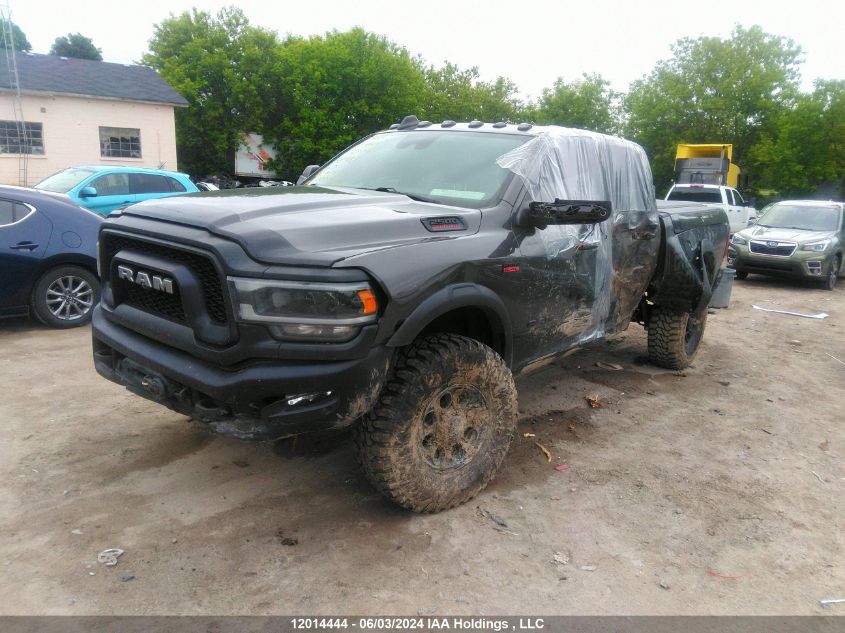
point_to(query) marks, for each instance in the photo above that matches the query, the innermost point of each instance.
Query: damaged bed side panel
(690, 258)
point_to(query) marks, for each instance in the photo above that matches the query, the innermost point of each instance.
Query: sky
(529, 41)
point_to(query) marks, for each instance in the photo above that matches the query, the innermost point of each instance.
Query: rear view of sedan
(48, 258)
(797, 238)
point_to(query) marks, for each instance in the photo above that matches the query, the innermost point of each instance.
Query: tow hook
(142, 381)
(154, 385)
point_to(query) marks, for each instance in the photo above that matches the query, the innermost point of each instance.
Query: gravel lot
(718, 490)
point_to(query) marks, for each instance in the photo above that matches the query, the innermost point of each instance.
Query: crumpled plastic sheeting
(572, 164)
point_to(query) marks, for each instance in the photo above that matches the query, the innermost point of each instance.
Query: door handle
(24, 246)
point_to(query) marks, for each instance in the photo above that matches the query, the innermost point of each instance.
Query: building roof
(88, 78)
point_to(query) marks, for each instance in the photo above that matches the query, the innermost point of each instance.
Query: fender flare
(453, 297)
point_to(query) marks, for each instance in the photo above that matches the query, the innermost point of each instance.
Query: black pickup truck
(399, 288)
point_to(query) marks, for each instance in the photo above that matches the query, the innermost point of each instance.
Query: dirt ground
(717, 490)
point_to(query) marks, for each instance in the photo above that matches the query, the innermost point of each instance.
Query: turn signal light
(369, 300)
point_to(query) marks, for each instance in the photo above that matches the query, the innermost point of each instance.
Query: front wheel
(442, 425)
(674, 337)
(65, 296)
(741, 274)
(833, 273)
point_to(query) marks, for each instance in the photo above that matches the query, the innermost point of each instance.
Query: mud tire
(674, 337)
(413, 408)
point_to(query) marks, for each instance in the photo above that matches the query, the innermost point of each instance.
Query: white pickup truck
(740, 213)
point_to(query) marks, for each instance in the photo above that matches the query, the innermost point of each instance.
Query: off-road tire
(741, 274)
(50, 283)
(674, 337)
(446, 390)
(833, 273)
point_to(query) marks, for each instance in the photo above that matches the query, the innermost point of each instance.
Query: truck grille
(159, 303)
(165, 305)
(783, 249)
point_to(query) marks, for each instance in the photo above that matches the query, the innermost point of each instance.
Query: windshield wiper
(412, 196)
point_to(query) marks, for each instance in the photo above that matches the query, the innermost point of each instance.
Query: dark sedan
(48, 257)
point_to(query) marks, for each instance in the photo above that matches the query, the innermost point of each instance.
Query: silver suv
(799, 238)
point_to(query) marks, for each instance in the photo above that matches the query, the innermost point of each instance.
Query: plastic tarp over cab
(571, 164)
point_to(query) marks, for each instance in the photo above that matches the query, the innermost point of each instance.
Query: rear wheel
(442, 426)
(741, 274)
(674, 337)
(833, 273)
(64, 297)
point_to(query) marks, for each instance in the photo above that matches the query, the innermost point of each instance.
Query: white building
(79, 111)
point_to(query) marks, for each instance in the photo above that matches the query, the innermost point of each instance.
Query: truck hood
(784, 235)
(306, 226)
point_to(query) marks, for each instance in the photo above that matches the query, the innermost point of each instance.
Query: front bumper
(801, 264)
(262, 399)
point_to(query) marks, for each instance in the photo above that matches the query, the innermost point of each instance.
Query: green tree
(223, 67)
(588, 103)
(334, 89)
(460, 95)
(19, 41)
(76, 45)
(808, 147)
(713, 90)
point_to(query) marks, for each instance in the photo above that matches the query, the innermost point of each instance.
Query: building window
(120, 142)
(21, 138)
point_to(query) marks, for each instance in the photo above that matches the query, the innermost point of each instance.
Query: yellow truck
(706, 164)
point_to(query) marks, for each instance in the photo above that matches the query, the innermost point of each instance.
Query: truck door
(561, 275)
(635, 246)
(745, 212)
(737, 214)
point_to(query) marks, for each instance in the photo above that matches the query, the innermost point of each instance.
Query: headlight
(305, 311)
(816, 247)
(738, 240)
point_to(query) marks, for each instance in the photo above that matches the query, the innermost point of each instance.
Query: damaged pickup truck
(399, 289)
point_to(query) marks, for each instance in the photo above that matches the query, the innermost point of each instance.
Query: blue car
(48, 257)
(102, 189)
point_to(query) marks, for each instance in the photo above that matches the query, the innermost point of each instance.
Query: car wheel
(442, 425)
(833, 273)
(64, 297)
(741, 274)
(674, 337)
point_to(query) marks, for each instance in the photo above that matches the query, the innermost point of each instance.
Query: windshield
(695, 194)
(805, 217)
(448, 167)
(65, 180)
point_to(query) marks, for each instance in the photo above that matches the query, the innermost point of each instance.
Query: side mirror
(542, 214)
(88, 192)
(307, 173)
